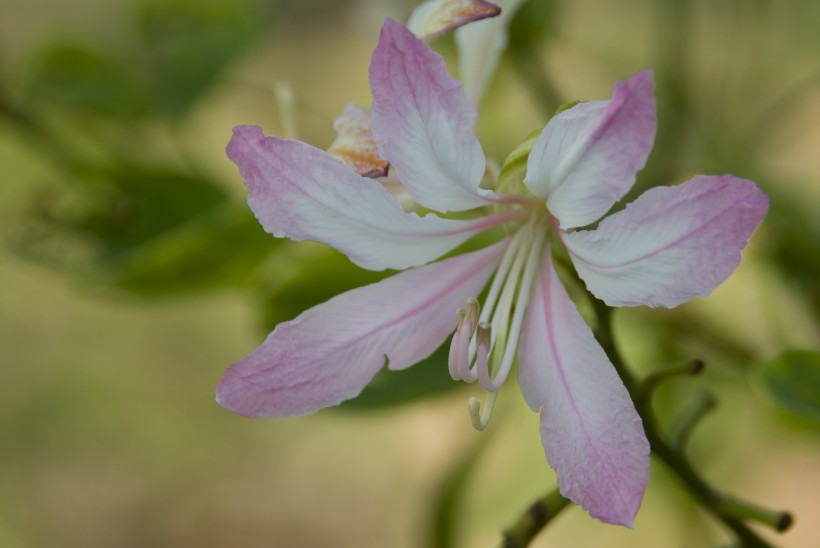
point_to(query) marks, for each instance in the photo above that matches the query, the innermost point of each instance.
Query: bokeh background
(132, 274)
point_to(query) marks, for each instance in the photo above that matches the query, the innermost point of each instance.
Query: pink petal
(586, 157)
(671, 244)
(592, 435)
(424, 124)
(480, 46)
(304, 193)
(436, 17)
(331, 351)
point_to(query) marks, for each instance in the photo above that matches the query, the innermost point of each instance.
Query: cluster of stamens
(485, 342)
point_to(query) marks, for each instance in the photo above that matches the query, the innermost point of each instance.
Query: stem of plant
(731, 515)
(537, 516)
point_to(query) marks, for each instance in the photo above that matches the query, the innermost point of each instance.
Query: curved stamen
(458, 361)
(501, 276)
(533, 262)
(478, 419)
(455, 355)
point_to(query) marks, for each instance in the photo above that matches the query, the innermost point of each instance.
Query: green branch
(725, 509)
(731, 512)
(537, 516)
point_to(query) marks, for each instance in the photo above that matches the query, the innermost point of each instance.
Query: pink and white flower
(668, 246)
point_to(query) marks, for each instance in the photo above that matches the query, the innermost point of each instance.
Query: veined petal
(592, 435)
(671, 244)
(586, 158)
(304, 193)
(480, 46)
(436, 17)
(424, 125)
(331, 351)
(354, 143)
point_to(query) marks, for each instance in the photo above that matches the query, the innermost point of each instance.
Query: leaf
(449, 498)
(222, 247)
(127, 205)
(427, 378)
(793, 380)
(535, 21)
(188, 43)
(319, 278)
(75, 76)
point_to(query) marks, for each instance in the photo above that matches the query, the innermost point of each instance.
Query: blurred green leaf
(427, 378)
(187, 44)
(534, 22)
(793, 240)
(75, 76)
(221, 247)
(793, 380)
(127, 205)
(450, 496)
(324, 276)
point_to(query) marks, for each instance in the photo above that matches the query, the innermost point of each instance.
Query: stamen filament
(509, 269)
(458, 361)
(500, 276)
(533, 262)
(455, 347)
(478, 419)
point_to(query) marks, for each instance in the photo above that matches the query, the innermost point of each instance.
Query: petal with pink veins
(303, 193)
(671, 244)
(592, 435)
(354, 143)
(436, 17)
(586, 157)
(424, 124)
(331, 351)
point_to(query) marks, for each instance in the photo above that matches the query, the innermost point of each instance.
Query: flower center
(484, 344)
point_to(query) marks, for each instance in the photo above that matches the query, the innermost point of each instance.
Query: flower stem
(534, 519)
(725, 509)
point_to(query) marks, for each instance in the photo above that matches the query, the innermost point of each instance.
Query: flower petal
(587, 156)
(354, 143)
(436, 17)
(671, 244)
(480, 46)
(331, 351)
(592, 435)
(304, 193)
(423, 124)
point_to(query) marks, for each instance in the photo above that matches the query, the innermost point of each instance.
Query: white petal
(592, 435)
(436, 17)
(331, 351)
(303, 193)
(424, 125)
(671, 244)
(586, 157)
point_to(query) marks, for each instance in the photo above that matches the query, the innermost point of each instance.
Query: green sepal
(565, 106)
(514, 167)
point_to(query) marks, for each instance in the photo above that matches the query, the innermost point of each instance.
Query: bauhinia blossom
(670, 245)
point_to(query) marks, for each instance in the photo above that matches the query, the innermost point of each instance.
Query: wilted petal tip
(438, 17)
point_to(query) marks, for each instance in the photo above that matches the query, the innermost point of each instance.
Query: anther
(459, 358)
